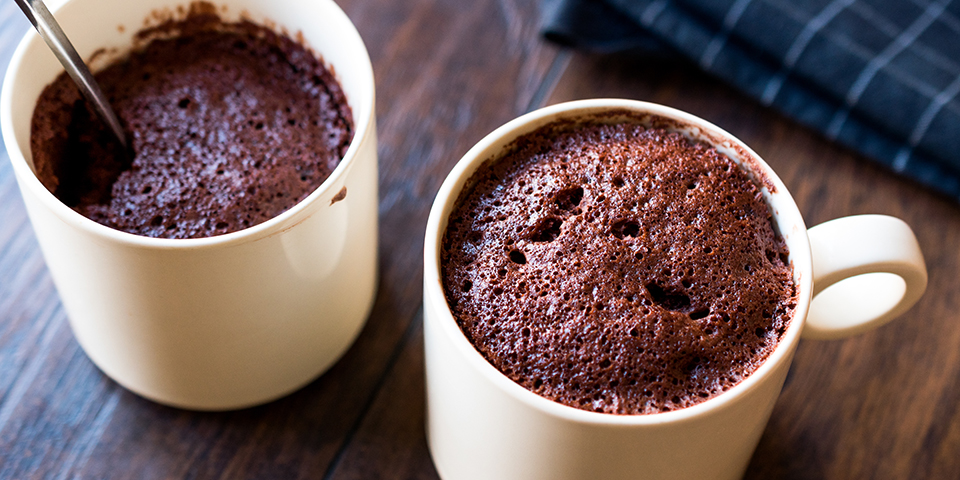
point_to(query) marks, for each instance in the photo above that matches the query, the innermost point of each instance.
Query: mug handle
(867, 270)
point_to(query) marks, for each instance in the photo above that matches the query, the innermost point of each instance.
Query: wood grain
(882, 405)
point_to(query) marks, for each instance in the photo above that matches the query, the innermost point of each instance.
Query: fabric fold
(879, 76)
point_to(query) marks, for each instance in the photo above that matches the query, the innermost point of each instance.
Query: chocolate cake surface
(617, 269)
(231, 125)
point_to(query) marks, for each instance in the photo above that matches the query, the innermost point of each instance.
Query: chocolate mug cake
(230, 125)
(617, 268)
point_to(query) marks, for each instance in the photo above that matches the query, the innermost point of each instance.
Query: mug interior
(787, 221)
(105, 30)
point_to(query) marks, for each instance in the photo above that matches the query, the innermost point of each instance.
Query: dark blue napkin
(880, 76)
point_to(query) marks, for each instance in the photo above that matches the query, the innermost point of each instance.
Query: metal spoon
(50, 32)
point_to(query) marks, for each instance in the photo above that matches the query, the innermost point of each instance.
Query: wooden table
(882, 405)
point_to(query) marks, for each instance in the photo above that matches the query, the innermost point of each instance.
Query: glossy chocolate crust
(231, 125)
(617, 269)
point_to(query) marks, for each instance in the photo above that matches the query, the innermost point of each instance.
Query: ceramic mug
(222, 322)
(852, 274)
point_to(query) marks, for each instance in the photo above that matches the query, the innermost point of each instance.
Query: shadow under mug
(222, 322)
(852, 274)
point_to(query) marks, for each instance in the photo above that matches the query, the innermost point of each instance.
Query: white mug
(482, 425)
(222, 322)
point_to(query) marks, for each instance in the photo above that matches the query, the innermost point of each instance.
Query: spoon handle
(50, 32)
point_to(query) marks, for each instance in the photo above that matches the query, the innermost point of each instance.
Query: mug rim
(363, 123)
(777, 198)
